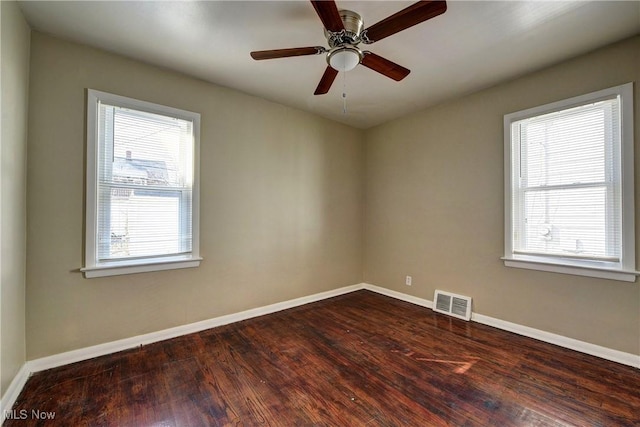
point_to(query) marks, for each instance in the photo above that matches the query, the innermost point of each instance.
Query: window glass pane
(568, 222)
(144, 204)
(144, 223)
(566, 147)
(149, 149)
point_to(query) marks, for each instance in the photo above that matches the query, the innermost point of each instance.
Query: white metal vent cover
(452, 304)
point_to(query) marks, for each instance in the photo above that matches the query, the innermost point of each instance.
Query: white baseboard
(398, 295)
(559, 340)
(111, 347)
(68, 357)
(13, 391)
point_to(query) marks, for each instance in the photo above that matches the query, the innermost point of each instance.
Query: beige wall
(14, 83)
(281, 204)
(435, 207)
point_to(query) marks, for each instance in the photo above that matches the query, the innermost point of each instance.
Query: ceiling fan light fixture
(344, 58)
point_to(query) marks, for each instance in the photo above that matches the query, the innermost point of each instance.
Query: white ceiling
(475, 44)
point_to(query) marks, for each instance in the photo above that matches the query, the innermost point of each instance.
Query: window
(569, 204)
(142, 186)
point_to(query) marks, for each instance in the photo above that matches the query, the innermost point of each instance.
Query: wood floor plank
(361, 359)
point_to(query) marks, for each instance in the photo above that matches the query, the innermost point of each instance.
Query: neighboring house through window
(569, 197)
(142, 186)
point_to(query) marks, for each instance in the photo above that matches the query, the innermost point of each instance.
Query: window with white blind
(142, 186)
(569, 204)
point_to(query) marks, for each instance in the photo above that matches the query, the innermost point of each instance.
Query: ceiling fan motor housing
(353, 25)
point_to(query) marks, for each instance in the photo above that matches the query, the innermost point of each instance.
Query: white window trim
(92, 267)
(623, 271)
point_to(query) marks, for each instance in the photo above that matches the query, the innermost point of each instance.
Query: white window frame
(624, 270)
(95, 268)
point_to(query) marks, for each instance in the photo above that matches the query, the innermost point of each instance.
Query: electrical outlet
(407, 281)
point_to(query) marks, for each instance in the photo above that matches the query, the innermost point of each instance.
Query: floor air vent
(454, 305)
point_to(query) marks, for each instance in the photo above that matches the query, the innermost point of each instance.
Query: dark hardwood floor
(354, 360)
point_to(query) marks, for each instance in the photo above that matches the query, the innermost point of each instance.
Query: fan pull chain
(344, 93)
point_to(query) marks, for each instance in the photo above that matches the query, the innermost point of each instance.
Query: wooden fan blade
(384, 66)
(408, 17)
(329, 15)
(284, 53)
(326, 81)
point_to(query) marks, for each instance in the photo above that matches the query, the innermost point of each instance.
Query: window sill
(569, 267)
(140, 266)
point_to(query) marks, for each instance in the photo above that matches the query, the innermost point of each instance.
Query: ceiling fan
(344, 32)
